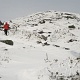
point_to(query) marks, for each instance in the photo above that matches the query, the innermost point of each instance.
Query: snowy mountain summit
(46, 47)
(48, 26)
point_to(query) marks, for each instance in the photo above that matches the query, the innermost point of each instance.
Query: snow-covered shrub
(67, 69)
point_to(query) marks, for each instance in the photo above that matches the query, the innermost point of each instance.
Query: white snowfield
(46, 46)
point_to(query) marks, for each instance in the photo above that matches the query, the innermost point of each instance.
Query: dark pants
(5, 31)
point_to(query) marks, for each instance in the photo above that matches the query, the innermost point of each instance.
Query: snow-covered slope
(46, 47)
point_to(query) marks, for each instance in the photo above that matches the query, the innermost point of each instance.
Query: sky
(11, 9)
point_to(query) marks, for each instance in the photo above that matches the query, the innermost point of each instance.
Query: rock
(71, 27)
(9, 42)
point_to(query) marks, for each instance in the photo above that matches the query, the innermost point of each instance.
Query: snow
(41, 51)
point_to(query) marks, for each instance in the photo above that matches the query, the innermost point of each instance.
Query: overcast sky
(11, 9)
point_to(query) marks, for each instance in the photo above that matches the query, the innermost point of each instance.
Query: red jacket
(6, 26)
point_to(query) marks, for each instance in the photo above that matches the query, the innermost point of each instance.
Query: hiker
(6, 28)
